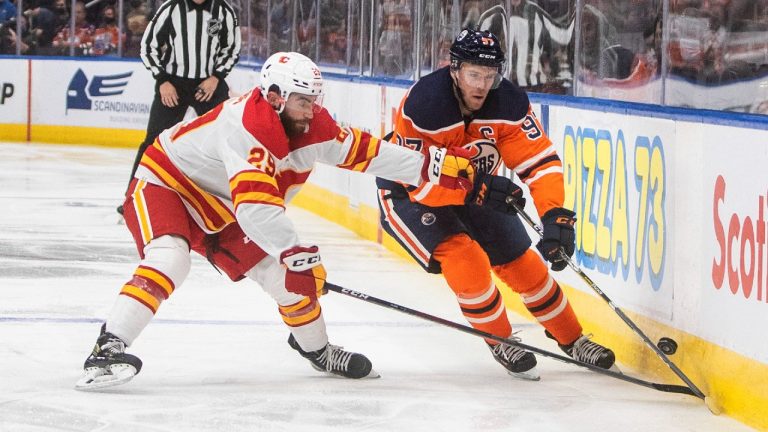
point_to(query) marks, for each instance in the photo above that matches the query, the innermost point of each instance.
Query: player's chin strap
(619, 312)
(669, 388)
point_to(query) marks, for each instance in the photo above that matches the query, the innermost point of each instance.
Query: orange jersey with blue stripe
(504, 130)
(236, 164)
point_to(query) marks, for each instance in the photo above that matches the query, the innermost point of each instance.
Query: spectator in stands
(106, 37)
(7, 11)
(60, 14)
(334, 48)
(333, 32)
(306, 26)
(42, 29)
(701, 39)
(10, 42)
(82, 40)
(444, 32)
(280, 17)
(136, 21)
(394, 37)
(37, 31)
(254, 33)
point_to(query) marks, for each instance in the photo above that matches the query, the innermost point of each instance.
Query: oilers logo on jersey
(484, 155)
(503, 131)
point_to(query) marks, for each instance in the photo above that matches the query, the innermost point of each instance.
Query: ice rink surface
(216, 358)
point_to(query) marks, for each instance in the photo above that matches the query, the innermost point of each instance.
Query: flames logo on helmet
(291, 72)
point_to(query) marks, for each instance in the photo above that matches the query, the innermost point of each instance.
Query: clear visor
(304, 103)
(486, 77)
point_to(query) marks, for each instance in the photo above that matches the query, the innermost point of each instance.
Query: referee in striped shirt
(189, 46)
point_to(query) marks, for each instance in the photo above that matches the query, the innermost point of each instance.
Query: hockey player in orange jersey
(218, 185)
(468, 104)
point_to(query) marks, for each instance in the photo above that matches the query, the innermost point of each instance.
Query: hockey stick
(619, 312)
(466, 329)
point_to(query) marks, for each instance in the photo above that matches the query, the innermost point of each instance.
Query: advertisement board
(13, 93)
(617, 179)
(734, 213)
(91, 93)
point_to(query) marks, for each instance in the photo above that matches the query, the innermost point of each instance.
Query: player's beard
(293, 128)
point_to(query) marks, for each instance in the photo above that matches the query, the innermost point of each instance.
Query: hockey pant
(467, 271)
(164, 232)
(166, 264)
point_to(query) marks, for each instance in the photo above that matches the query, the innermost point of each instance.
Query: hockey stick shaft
(697, 392)
(669, 388)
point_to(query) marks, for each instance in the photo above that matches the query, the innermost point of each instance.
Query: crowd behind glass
(638, 50)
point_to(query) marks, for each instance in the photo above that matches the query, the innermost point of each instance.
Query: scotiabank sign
(740, 262)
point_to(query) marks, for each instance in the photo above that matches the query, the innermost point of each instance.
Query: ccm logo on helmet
(284, 59)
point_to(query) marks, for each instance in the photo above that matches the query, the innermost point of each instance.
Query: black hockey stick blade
(669, 388)
(631, 324)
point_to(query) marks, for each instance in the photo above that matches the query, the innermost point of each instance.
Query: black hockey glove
(558, 233)
(497, 193)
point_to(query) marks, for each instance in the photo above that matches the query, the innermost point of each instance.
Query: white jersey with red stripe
(236, 164)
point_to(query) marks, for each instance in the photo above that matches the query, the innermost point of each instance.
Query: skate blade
(98, 379)
(371, 375)
(615, 368)
(530, 375)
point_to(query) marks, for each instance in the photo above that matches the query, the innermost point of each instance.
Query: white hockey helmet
(291, 72)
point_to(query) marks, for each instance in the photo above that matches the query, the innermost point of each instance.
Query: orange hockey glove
(448, 175)
(305, 273)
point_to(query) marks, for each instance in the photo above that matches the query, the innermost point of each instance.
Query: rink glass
(668, 52)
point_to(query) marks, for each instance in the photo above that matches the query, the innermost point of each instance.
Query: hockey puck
(667, 346)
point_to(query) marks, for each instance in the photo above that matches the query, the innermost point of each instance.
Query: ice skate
(584, 350)
(518, 362)
(108, 365)
(333, 359)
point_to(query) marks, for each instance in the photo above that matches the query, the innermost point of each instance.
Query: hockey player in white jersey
(218, 185)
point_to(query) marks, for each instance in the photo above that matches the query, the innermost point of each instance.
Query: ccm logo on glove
(305, 273)
(436, 164)
(448, 175)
